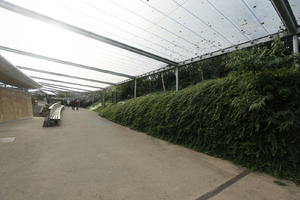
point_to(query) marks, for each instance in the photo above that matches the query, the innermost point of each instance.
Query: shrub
(251, 120)
(251, 117)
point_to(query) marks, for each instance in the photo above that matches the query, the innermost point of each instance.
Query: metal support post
(103, 98)
(286, 14)
(134, 88)
(177, 78)
(163, 81)
(296, 48)
(295, 44)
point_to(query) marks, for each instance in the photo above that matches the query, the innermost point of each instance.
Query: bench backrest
(55, 105)
(55, 110)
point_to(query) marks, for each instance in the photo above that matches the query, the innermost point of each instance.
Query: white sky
(174, 29)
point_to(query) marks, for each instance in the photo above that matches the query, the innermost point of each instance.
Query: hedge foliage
(251, 117)
(191, 74)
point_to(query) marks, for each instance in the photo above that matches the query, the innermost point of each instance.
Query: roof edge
(11, 75)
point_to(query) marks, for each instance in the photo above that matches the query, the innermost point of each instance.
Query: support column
(163, 81)
(296, 48)
(177, 78)
(134, 88)
(103, 97)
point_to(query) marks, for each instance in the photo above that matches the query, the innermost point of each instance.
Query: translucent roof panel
(26, 34)
(49, 92)
(60, 89)
(25, 61)
(40, 77)
(56, 89)
(295, 5)
(174, 29)
(65, 85)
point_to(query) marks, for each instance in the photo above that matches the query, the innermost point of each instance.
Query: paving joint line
(223, 186)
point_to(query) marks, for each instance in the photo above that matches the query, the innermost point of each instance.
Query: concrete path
(90, 158)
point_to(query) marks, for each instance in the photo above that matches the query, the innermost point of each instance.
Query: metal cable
(97, 19)
(255, 17)
(229, 20)
(155, 24)
(203, 22)
(143, 29)
(195, 33)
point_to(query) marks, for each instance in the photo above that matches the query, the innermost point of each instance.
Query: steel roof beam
(286, 14)
(50, 90)
(37, 16)
(56, 88)
(58, 81)
(59, 89)
(25, 53)
(10, 74)
(63, 86)
(64, 75)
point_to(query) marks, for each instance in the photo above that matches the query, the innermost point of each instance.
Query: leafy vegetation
(251, 116)
(189, 75)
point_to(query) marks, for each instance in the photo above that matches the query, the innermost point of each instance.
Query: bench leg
(56, 122)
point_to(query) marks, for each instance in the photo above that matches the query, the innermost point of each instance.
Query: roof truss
(58, 81)
(63, 86)
(53, 88)
(64, 75)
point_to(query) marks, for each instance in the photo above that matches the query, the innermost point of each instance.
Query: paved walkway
(90, 158)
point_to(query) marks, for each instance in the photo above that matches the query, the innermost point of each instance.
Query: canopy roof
(100, 43)
(11, 75)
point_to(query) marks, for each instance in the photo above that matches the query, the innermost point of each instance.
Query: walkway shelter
(98, 44)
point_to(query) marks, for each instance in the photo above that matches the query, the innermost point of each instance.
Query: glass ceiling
(295, 5)
(177, 30)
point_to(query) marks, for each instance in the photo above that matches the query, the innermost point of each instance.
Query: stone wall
(14, 105)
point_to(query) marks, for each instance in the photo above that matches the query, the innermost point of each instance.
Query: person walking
(77, 104)
(73, 104)
(68, 102)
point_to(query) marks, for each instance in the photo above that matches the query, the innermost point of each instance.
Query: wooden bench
(54, 116)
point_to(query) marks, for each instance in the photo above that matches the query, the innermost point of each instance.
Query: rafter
(59, 81)
(63, 86)
(64, 75)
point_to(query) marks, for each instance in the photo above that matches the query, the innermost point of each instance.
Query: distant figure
(68, 102)
(73, 104)
(77, 103)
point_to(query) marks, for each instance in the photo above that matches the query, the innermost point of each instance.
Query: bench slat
(55, 111)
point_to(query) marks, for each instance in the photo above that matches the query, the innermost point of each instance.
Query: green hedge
(252, 119)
